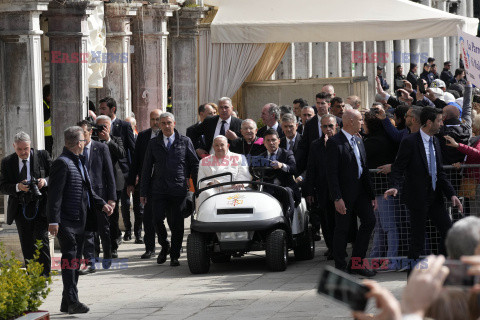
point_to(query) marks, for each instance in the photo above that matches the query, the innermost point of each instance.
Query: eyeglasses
(325, 126)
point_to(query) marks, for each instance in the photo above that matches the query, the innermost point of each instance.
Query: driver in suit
(283, 163)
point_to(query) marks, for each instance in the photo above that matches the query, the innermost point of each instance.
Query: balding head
(352, 121)
(354, 101)
(155, 119)
(328, 88)
(450, 112)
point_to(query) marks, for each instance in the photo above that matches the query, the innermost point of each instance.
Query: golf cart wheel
(197, 256)
(277, 250)
(221, 258)
(306, 246)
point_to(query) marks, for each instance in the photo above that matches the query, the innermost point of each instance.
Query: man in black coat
(248, 144)
(270, 117)
(419, 165)
(100, 169)
(315, 186)
(70, 212)
(351, 189)
(446, 75)
(23, 166)
(412, 75)
(283, 161)
(117, 153)
(224, 124)
(291, 139)
(170, 161)
(204, 110)
(123, 130)
(135, 176)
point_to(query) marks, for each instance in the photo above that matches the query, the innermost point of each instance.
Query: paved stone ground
(241, 289)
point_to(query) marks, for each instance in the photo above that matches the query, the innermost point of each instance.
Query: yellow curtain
(264, 69)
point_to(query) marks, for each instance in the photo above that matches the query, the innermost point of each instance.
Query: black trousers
(362, 208)
(286, 199)
(29, 231)
(149, 226)
(115, 232)
(91, 247)
(137, 212)
(327, 222)
(432, 207)
(71, 246)
(170, 207)
(49, 144)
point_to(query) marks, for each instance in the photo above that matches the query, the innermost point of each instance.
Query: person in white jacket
(220, 162)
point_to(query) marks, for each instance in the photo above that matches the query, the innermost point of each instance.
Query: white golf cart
(233, 223)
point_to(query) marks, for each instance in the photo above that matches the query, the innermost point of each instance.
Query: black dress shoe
(327, 253)
(174, 262)
(362, 272)
(127, 236)
(106, 263)
(87, 270)
(148, 254)
(317, 236)
(139, 240)
(78, 308)
(114, 254)
(63, 307)
(162, 256)
(119, 240)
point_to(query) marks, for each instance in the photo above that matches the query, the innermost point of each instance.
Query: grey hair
(274, 109)
(102, 117)
(463, 237)
(416, 111)
(167, 115)
(289, 117)
(221, 137)
(21, 137)
(72, 136)
(225, 99)
(379, 97)
(246, 121)
(327, 116)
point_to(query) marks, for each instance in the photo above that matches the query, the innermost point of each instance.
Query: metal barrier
(391, 236)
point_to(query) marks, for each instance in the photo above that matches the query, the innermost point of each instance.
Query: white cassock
(234, 163)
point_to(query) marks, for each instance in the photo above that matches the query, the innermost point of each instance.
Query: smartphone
(421, 86)
(343, 288)
(399, 83)
(458, 277)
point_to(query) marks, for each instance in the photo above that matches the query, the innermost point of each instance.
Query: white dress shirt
(88, 149)
(154, 134)
(20, 166)
(319, 126)
(426, 145)
(275, 126)
(166, 139)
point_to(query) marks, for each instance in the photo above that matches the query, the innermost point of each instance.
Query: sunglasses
(325, 126)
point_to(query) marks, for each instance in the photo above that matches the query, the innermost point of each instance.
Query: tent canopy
(270, 21)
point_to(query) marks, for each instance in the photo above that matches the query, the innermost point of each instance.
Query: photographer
(23, 178)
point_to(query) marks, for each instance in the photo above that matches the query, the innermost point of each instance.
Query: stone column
(334, 65)
(358, 58)
(149, 61)
(21, 105)
(117, 81)
(415, 53)
(284, 69)
(301, 60)
(470, 9)
(440, 44)
(68, 32)
(384, 50)
(371, 72)
(346, 59)
(184, 65)
(425, 45)
(319, 60)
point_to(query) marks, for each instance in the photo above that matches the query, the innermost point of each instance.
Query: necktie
(433, 163)
(23, 172)
(85, 154)
(290, 145)
(222, 128)
(169, 144)
(273, 157)
(357, 155)
(85, 177)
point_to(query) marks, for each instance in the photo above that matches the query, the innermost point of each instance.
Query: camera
(95, 127)
(33, 187)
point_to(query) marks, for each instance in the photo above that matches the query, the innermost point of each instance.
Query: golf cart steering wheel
(262, 173)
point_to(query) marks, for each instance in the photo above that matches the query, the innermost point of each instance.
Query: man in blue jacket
(71, 203)
(170, 161)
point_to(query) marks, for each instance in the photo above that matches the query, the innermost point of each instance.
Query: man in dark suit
(315, 186)
(419, 164)
(270, 117)
(283, 161)
(135, 175)
(291, 139)
(117, 152)
(412, 75)
(307, 114)
(70, 203)
(19, 167)
(298, 105)
(204, 110)
(351, 189)
(248, 144)
(100, 169)
(123, 130)
(170, 161)
(223, 124)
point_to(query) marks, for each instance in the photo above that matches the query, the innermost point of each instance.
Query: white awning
(270, 21)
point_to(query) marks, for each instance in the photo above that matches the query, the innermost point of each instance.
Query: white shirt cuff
(16, 188)
(53, 224)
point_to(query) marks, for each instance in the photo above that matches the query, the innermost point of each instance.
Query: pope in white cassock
(220, 162)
